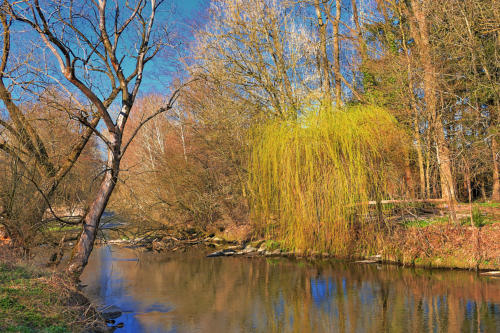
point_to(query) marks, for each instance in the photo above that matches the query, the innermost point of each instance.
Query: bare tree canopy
(98, 51)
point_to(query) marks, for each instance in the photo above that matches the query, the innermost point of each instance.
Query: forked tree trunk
(110, 62)
(85, 244)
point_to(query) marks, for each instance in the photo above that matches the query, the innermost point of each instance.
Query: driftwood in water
(408, 201)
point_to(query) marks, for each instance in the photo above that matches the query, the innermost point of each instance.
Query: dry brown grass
(445, 245)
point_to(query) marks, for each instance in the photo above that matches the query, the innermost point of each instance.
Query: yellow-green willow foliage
(311, 178)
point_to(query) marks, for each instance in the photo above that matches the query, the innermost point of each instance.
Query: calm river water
(187, 292)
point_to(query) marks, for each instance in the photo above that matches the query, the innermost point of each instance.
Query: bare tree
(94, 42)
(22, 140)
(256, 47)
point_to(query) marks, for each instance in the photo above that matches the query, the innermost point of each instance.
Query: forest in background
(286, 116)
(433, 67)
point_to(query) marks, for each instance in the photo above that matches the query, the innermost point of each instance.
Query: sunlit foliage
(311, 179)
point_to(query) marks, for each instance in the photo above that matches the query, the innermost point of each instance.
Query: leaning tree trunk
(85, 244)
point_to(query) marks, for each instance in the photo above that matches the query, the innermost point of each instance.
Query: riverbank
(34, 299)
(430, 247)
(445, 245)
(431, 243)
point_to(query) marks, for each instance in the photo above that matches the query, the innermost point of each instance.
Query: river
(187, 292)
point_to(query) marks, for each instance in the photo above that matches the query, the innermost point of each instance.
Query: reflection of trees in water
(241, 294)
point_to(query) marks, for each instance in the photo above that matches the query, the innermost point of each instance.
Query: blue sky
(157, 73)
(187, 7)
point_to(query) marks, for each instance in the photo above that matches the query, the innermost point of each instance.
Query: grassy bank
(36, 300)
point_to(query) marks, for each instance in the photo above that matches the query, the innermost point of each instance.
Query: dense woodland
(290, 116)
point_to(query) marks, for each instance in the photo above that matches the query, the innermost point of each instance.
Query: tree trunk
(430, 89)
(445, 176)
(85, 244)
(469, 190)
(420, 160)
(362, 49)
(495, 194)
(361, 46)
(414, 111)
(410, 188)
(324, 62)
(428, 167)
(444, 162)
(336, 55)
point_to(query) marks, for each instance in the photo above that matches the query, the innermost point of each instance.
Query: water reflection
(186, 292)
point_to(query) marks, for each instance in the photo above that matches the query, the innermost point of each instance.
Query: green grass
(32, 301)
(58, 227)
(272, 245)
(421, 223)
(489, 204)
(479, 219)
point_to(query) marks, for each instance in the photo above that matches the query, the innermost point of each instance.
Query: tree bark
(428, 167)
(410, 188)
(85, 244)
(336, 55)
(495, 194)
(430, 89)
(413, 107)
(361, 46)
(324, 62)
(420, 160)
(444, 161)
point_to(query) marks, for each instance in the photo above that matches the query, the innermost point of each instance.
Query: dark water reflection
(186, 292)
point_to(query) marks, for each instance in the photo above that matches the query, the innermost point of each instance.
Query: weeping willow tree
(312, 178)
